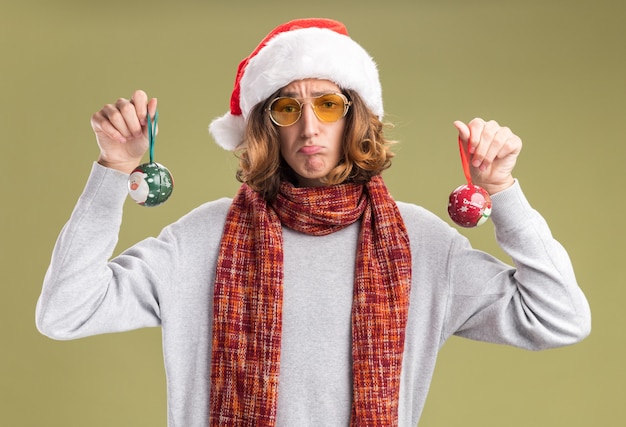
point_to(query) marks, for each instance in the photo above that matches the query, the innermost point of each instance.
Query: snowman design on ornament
(138, 187)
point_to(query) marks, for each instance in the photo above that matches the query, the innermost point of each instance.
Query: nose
(309, 120)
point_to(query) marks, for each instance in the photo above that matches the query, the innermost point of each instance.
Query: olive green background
(554, 71)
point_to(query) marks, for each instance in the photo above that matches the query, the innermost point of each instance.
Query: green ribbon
(152, 126)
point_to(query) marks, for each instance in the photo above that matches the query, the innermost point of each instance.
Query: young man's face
(311, 147)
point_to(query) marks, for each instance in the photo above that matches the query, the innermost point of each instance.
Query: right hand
(122, 131)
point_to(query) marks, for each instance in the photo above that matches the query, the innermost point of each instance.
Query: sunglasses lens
(330, 107)
(285, 111)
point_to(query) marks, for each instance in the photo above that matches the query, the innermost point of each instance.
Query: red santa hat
(299, 49)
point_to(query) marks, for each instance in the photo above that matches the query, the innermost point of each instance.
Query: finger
(129, 113)
(151, 111)
(499, 147)
(485, 141)
(102, 124)
(476, 127)
(464, 131)
(511, 146)
(114, 115)
(152, 108)
(464, 134)
(140, 100)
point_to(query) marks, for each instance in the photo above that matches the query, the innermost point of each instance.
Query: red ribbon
(465, 162)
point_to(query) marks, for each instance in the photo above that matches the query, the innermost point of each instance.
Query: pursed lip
(310, 149)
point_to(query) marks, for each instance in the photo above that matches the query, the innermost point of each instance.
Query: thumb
(151, 110)
(152, 107)
(464, 131)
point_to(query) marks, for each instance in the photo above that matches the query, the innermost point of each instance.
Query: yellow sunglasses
(329, 107)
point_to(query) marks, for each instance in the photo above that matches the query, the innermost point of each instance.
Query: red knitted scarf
(248, 296)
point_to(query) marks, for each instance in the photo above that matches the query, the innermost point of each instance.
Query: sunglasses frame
(346, 106)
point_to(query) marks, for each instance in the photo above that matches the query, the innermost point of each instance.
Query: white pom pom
(228, 131)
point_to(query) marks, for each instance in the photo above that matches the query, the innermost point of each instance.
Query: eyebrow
(313, 95)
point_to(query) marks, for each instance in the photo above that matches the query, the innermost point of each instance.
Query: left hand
(493, 152)
(121, 131)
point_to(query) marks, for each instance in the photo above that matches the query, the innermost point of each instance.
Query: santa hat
(299, 49)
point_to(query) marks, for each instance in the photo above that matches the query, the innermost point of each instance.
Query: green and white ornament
(150, 184)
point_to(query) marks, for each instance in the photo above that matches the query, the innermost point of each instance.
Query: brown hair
(366, 152)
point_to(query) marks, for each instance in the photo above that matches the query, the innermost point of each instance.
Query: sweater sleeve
(536, 303)
(86, 294)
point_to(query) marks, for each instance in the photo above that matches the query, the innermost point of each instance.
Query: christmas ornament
(150, 184)
(469, 205)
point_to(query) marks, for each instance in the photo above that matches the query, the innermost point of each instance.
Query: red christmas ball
(469, 206)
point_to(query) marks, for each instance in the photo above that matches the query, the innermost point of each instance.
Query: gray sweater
(168, 281)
